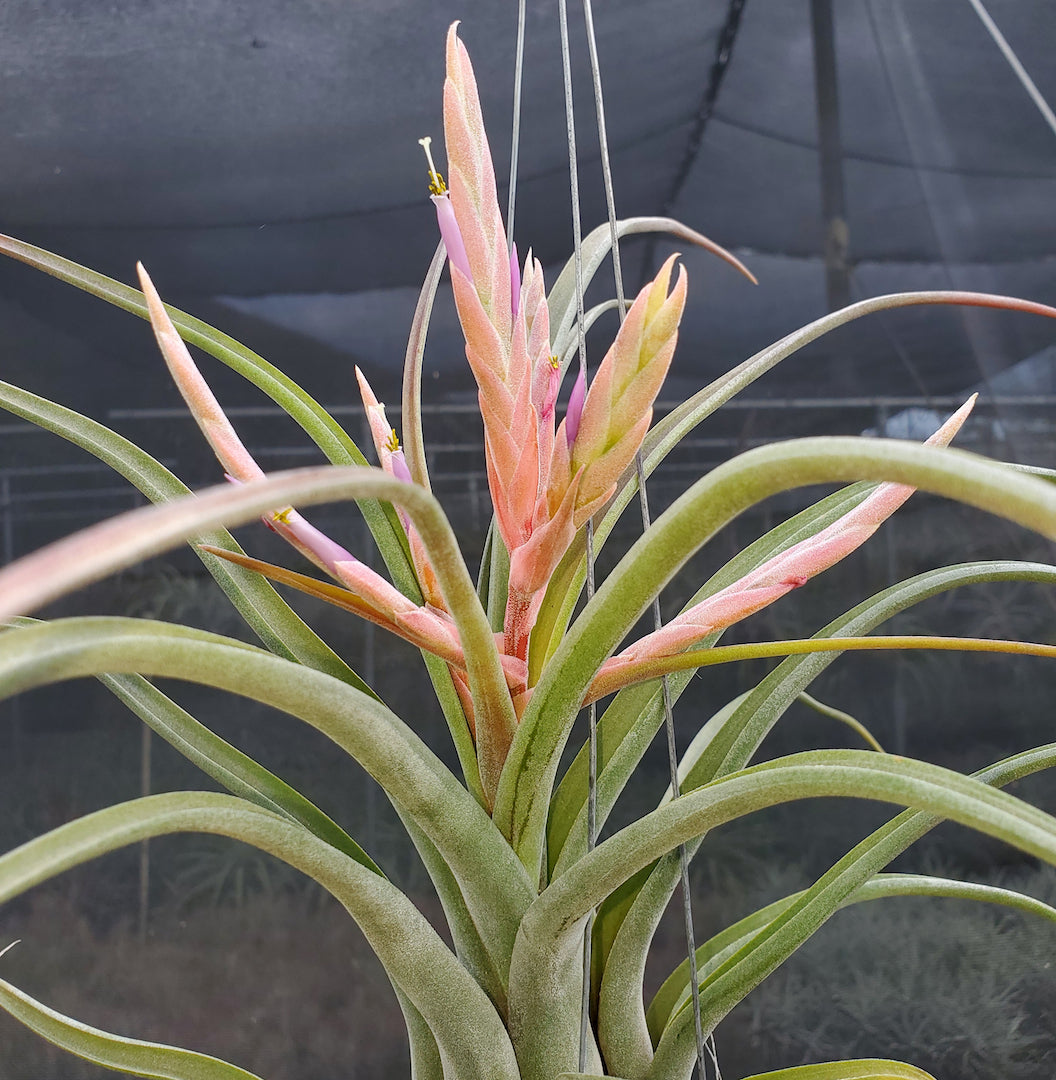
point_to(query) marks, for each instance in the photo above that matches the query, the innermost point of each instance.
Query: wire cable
(705, 110)
(515, 134)
(592, 714)
(1014, 63)
(703, 1045)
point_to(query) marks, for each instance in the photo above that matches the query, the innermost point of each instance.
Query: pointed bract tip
(452, 37)
(656, 290)
(965, 410)
(946, 434)
(365, 390)
(664, 273)
(159, 317)
(145, 282)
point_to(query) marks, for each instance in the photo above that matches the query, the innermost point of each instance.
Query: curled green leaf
(121, 541)
(155, 1061)
(631, 924)
(859, 1069)
(277, 625)
(544, 950)
(469, 1032)
(316, 422)
(674, 993)
(524, 792)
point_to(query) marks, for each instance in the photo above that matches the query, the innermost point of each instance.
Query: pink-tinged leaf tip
(380, 431)
(203, 405)
(944, 436)
(575, 407)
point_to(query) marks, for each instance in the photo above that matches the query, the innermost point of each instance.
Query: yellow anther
(392, 443)
(283, 515)
(555, 363)
(436, 181)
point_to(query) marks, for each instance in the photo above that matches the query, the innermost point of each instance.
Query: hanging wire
(515, 137)
(1014, 63)
(606, 167)
(592, 713)
(1020, 72)
(704, 1046)
(927, 194)
(723, 55)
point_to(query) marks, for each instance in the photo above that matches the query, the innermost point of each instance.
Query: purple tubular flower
(515, 280)
(323, 551)
(575, 407)
(304, 536)
(399, 467)
(449, 231)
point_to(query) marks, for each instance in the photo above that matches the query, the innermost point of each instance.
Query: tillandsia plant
(510, 846)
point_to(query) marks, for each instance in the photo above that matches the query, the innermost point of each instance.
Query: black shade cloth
(269, 149)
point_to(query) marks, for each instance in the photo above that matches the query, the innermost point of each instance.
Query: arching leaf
(153, 1060)
(111, 545)
(277, 625)
(524, 793)
(494, 884)
(317, 423)
(468, 1031)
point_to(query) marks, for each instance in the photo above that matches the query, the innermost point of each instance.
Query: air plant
(510, 846)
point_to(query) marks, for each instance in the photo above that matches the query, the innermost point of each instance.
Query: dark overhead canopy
(267, 152)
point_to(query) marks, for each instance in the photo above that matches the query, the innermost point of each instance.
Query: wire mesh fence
(39, 503)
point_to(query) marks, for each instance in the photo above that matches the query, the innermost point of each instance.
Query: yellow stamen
(436, 181)
(555, 363)
(283, 515)
(392, 443)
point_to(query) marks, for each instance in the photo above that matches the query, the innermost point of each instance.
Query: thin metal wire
(927, 194)
(703, 1046)
(603, 146)
(515, 135)
(695, 142)
(592, 715)
(1015, 65)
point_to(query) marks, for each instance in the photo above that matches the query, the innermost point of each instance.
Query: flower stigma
(436, 181)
